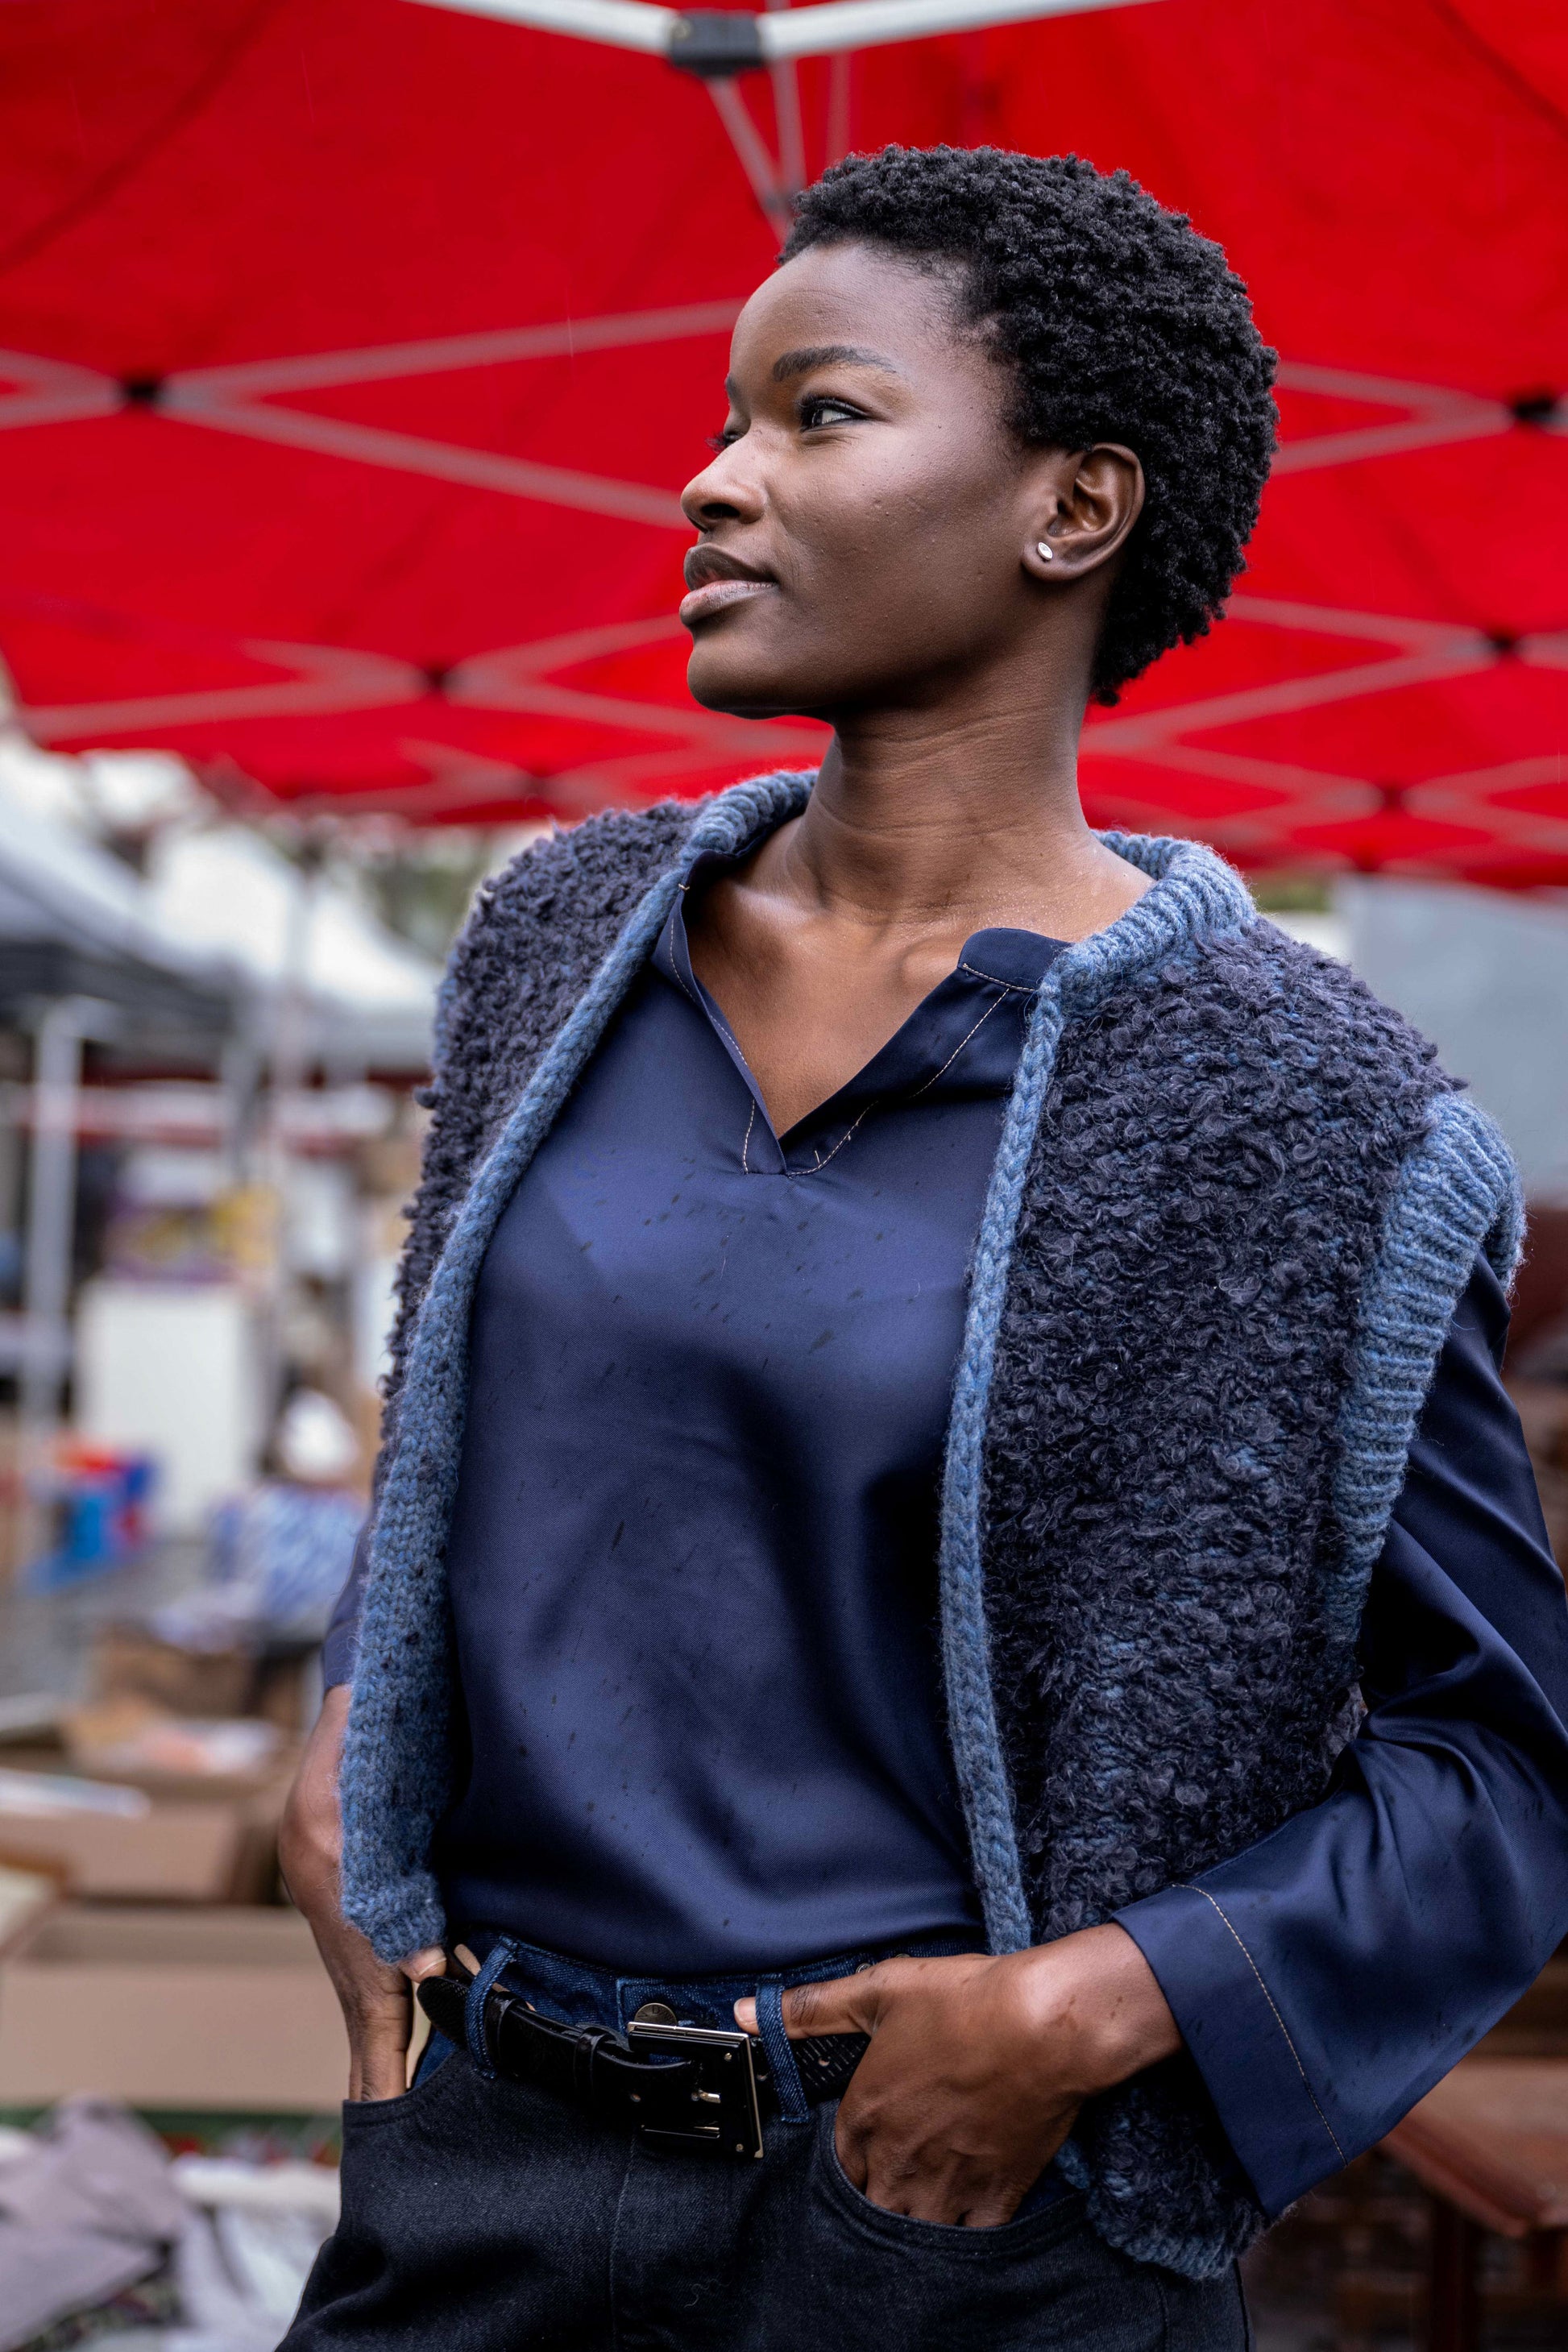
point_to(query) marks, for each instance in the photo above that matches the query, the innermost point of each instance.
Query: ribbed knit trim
(401, 1701)
(1456, 1194)
(1195, 896)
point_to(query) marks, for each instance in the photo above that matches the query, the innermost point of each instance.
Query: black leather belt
(696, 2084)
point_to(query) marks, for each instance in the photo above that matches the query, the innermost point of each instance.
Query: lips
(720, 594)
(715, 580)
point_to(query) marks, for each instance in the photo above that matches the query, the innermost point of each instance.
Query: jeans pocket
(366, 2114)
(1025, 2234)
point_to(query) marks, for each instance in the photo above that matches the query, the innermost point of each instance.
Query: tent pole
(792, 137)
(785, 77)
(288, 1058)
(755, 160)
(62, 1030)
(838, 72)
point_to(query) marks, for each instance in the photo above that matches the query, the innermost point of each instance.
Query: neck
(959, 818)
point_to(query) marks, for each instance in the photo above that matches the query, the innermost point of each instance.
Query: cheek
(884, 575)
(878, 615)
(906, 558)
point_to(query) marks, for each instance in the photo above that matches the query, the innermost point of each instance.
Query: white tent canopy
(60, 887)
(216, 910)
(227, 892)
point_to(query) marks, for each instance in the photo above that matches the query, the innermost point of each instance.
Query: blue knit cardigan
(1233, 1208)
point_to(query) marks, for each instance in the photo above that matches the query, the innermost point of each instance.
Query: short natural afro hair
(1120, 323)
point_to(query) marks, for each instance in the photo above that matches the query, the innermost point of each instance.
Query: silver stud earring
(1047, 554)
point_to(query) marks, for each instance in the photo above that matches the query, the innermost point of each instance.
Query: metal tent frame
(719, 44)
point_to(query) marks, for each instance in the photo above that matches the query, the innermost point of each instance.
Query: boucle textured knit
(1234, 1204)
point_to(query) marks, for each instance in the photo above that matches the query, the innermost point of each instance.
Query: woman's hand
(377, 2001)
(978, 2067)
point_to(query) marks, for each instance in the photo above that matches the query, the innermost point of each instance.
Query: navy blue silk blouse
(692, 1556)
(693, 1569)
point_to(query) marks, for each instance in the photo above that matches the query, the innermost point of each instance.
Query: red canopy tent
(355, 351)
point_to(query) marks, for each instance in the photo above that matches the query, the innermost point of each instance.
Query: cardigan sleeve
(1325, 1978)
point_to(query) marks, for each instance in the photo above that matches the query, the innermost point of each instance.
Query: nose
(727, 490)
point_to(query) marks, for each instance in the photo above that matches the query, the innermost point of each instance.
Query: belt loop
(780, 2057)
(474, 2006)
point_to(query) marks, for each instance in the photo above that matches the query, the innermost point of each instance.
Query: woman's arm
(1325, 1978)
(376, 2000)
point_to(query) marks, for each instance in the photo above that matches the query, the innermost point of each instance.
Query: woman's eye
(823, 409)
(724, 440)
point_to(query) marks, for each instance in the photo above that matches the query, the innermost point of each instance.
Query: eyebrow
(816, 355)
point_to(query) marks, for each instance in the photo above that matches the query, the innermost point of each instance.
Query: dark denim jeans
(484, 2216)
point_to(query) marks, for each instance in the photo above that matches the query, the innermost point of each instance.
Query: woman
(938, 1350)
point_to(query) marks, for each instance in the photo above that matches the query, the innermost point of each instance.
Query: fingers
(377, 2006)
(378, 2011)
(380, 2019)
(843, 2005)
(378, 2056)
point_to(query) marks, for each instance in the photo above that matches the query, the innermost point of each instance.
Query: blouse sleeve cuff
(338, 1655)
(1239, 2042)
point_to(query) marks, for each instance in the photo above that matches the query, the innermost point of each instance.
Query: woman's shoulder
(559, 905)
(1304, 1001)
(565, 895)
(537, 930)
(586, 868)
(1197, 945)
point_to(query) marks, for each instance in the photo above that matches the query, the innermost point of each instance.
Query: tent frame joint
(715, 43)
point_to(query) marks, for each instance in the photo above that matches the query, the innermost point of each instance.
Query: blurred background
(353, 355)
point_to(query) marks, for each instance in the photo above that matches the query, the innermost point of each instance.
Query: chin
(748, 690)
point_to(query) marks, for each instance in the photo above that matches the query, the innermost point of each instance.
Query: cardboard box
(131, 1663)
(198, 1852)
(205, 1837)
(219, 2010)
(28, 1892)
(142, 1746)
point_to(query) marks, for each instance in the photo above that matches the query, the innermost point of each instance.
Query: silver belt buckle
(725, 2114)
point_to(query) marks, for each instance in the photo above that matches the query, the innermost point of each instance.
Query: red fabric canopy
(355, 352)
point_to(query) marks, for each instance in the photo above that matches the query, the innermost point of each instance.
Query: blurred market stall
(208, 1044)
(205, 1132)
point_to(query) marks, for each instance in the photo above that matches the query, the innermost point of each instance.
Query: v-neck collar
(961, 1041)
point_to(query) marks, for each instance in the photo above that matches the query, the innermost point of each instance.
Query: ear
(1082, 506)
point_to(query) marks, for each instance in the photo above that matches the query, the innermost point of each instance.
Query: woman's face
(868, 527)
